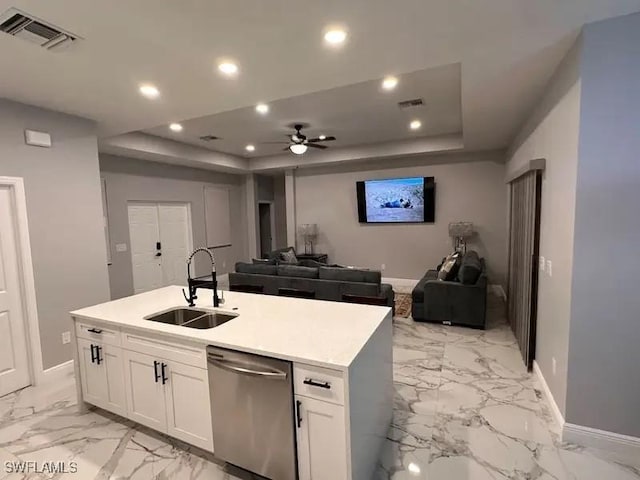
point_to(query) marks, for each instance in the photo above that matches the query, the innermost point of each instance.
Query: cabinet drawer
(160, 347)
(321, 383)
(98, 333)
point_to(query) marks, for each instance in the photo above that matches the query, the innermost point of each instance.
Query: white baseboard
(555, 411)
(497, 289)
(400, 282)
(57, 373)
(622, 447)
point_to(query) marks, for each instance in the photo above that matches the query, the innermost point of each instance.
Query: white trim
(623, 447)
(25, 261)
(59, 372)
(498, 290)
(555, 411)
(400, 282)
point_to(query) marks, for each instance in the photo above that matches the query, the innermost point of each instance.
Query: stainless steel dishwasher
(252, 412)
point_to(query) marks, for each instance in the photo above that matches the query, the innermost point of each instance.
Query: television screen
(396, 200)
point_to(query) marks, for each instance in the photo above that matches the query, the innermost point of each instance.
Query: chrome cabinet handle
(314, 383)
(233, 367)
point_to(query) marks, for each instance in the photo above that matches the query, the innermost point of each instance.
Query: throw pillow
(449, 267)
(263, 261)
(289, 256)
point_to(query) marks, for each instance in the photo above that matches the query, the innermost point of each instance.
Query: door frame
(27, 281)
(272, 214)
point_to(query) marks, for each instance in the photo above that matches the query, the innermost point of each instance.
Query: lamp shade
(308, 229)
(461, 229)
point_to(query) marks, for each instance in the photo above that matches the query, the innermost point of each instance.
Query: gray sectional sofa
(327, 283)
(461, 300)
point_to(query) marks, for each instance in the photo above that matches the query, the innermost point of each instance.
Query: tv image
(396, 200)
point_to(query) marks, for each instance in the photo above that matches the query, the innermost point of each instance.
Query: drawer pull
(313, 383)
(93, 354)
(98, 359)
(94, 330)
(156, 364)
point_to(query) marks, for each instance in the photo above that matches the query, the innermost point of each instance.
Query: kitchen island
(156, 373)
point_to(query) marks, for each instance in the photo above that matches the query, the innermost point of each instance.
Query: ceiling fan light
(298, 148)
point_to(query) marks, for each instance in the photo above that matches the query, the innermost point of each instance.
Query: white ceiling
(507, 50)
(357, 114)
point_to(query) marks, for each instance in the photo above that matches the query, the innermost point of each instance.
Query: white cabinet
(322, 431)
(101, 375)
(169, 397)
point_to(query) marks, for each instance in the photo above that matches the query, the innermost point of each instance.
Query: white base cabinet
(322, 431)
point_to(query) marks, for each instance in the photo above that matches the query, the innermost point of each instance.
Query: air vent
(208, 138)
(27, 27)
(416, 102)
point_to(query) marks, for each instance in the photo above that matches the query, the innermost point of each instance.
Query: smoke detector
(27, 27)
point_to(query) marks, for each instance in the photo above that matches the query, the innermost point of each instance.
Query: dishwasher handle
(243, 370)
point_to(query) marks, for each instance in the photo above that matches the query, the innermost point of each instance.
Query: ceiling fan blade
(314, 145)
(273, 143)
(326, 139)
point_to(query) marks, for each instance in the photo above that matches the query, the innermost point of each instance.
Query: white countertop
(328, 334)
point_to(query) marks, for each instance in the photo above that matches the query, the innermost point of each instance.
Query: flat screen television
(397, 200)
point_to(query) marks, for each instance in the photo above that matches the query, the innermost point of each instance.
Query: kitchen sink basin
(191, 317)
(176, 316)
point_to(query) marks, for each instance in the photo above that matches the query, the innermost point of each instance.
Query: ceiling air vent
(25, 26)
(208, 138)
(416, 102)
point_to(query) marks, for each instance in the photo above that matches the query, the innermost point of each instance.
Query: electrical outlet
(553, 366)
(66, 337)
(383, 266)
(549, 269)
(542, 263)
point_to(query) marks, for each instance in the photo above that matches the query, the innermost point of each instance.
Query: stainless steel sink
(209, 321)
(190, 317)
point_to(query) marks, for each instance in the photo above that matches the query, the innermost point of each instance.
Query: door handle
(298, 413)
(313, 383)
(98, 359)
(155, 370)
(164, 377)
(93, 358)
(227, 365)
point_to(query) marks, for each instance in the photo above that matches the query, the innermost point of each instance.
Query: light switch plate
(66, 337)
(121, 247)
(549, 270)
(542, 263)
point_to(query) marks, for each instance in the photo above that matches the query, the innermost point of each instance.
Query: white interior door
(14, 360)
(160, 236)
(144, 233)
(175, 241)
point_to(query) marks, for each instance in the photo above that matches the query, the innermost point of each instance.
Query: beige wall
(64, 207)
(137, 180)
(469, 187)
(552, 133)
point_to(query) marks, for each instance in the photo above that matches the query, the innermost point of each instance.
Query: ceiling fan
(298, 142)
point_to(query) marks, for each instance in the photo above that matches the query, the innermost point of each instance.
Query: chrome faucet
(195, 283)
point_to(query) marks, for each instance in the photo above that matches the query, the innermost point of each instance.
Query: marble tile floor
(465, 409)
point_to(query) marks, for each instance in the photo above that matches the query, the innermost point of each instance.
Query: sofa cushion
(297, 271)
(349, 275)
(417, 294)
(470, 268)
(289, 256)
(258, 268)
(450, 267)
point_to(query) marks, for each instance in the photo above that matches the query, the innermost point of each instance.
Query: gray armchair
(462, 301)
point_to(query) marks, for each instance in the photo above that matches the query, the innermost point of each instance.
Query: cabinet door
(188, 405)
(322, 452)
(116, 399)
(145, 392)
(92, 375)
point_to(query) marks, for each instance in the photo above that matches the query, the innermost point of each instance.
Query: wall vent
(27, 27)
(208, 138)
(415, 102)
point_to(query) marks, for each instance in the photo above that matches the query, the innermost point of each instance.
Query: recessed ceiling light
(322, 137)
(389, 83)
(175, 127)
(415, 124)
(335, 36)
(149, 91)
(298, 148)
(262, 108)
(228, 68)
(250, 148)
